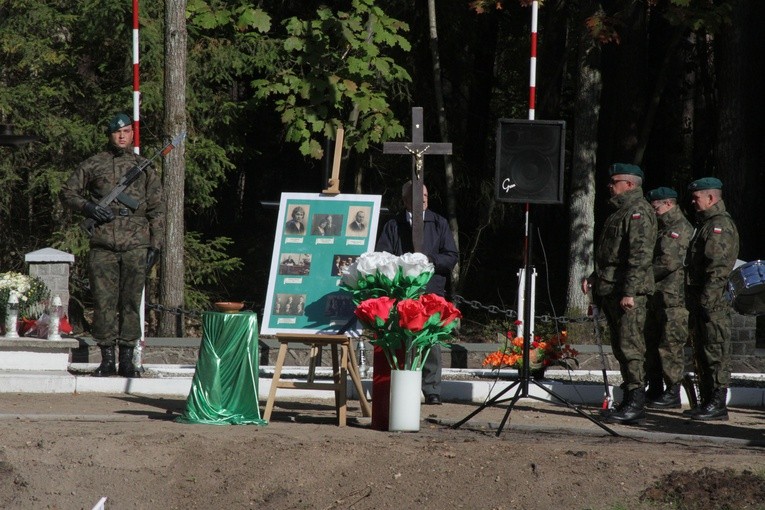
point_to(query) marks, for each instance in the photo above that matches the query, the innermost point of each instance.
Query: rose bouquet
(390, 302)
(546, 351)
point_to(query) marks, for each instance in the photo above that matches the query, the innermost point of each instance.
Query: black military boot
(715, 409)
(632, 410)
(127, 369)
(107, 366)
(670, 399)
(655, 387)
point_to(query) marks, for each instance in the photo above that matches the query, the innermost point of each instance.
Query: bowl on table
(228, 306)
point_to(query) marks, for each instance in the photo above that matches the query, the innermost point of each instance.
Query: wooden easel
(343, 354)
(343, 365)
(334, 181)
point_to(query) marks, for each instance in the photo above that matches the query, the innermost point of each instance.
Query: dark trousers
(431, 372)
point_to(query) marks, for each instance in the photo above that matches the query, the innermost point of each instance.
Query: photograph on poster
(289, 304)
(297, 224)
(339, 306)
(359, 222)
(295, 264)
(341, 263)
(304, 292)
(326, 224)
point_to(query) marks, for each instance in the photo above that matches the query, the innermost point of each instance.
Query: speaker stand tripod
(524, 378)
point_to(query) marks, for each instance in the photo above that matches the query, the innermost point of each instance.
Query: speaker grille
(530, 157)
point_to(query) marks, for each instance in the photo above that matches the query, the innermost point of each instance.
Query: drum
(746, 288)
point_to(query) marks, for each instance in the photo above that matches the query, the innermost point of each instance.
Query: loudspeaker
(530, 157)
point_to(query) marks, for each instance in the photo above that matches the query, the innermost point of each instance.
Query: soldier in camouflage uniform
(711, 258)
(622, 281)
(125, 242)
(667, 324)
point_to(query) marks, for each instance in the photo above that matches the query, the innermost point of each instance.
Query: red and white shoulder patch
(674, 235)
(717, 230)
(636, 216)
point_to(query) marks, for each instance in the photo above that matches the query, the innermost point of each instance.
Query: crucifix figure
(418, 149)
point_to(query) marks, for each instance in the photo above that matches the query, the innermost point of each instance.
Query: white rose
(387, 264)
(350, 276)
(366, 264)
(414, 264)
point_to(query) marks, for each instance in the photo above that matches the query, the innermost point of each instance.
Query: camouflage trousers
(117, 280)
(627, 338)
(711, 337)
(666, 333)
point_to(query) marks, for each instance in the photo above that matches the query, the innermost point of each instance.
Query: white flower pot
(405, 387)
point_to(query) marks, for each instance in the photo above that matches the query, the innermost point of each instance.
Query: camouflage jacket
(675, 233)
(711, 256)
(96, 177)
(625, 249)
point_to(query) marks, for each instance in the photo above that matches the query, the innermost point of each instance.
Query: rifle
(89, 224)
(608, 400)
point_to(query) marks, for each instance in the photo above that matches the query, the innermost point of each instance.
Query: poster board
(316, 237)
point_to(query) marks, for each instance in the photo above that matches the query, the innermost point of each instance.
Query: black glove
(99, 213)
(152, 256)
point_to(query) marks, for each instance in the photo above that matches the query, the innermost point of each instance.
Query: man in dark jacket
(622, 282)
(438, 245)
(667, 323)
(125, 242)
(711, 258)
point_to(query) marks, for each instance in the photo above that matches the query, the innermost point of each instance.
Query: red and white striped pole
(136, 85)
(533, 66)
(138, 352)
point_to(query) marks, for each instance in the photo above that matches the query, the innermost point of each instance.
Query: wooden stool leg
(314, 356)
(336, 378)
(275, 381)
(366, 409)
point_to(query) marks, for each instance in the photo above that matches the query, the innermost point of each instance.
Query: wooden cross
(418, 150)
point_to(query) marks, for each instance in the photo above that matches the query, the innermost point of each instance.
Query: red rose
(411, 314)
(434, 303)
(369, 310)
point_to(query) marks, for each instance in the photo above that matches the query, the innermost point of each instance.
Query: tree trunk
(451, 198)
(583, 165)
(173, 177)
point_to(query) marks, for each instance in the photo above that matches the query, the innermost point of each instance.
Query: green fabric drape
(224, 389)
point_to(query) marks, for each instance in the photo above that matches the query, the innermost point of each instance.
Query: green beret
(662, 193)
(118, 122)
(625, 168)
(705, 183)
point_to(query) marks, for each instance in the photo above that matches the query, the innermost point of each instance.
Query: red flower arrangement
(388, 291)
(544, 352)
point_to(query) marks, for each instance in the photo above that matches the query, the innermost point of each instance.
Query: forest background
(675, 86)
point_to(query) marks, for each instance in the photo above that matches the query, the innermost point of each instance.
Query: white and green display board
(317, 236)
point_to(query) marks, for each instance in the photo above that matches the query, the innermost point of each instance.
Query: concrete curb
(579, 387)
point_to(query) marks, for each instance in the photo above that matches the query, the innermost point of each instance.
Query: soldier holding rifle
(126, 237)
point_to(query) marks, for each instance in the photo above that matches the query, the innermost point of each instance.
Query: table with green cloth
(224, 389)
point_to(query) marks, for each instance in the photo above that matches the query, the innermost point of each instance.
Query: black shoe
(432, 400)
(715, 409)
(107, 367)
(632, 410)
(670, 399)
(127, 369)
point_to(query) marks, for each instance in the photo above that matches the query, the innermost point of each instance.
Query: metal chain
(513, 315)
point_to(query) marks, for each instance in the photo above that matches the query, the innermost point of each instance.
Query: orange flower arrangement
(552, 350)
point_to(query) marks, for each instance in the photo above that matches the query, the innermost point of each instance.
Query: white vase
(405, 388)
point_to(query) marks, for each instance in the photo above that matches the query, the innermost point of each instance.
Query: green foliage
(328, 66)
(206, 264)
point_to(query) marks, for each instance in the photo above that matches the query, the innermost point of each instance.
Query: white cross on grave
(418, 150)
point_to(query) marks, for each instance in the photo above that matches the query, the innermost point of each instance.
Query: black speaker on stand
(530, 157)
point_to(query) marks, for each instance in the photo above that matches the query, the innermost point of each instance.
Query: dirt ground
(67, 451)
